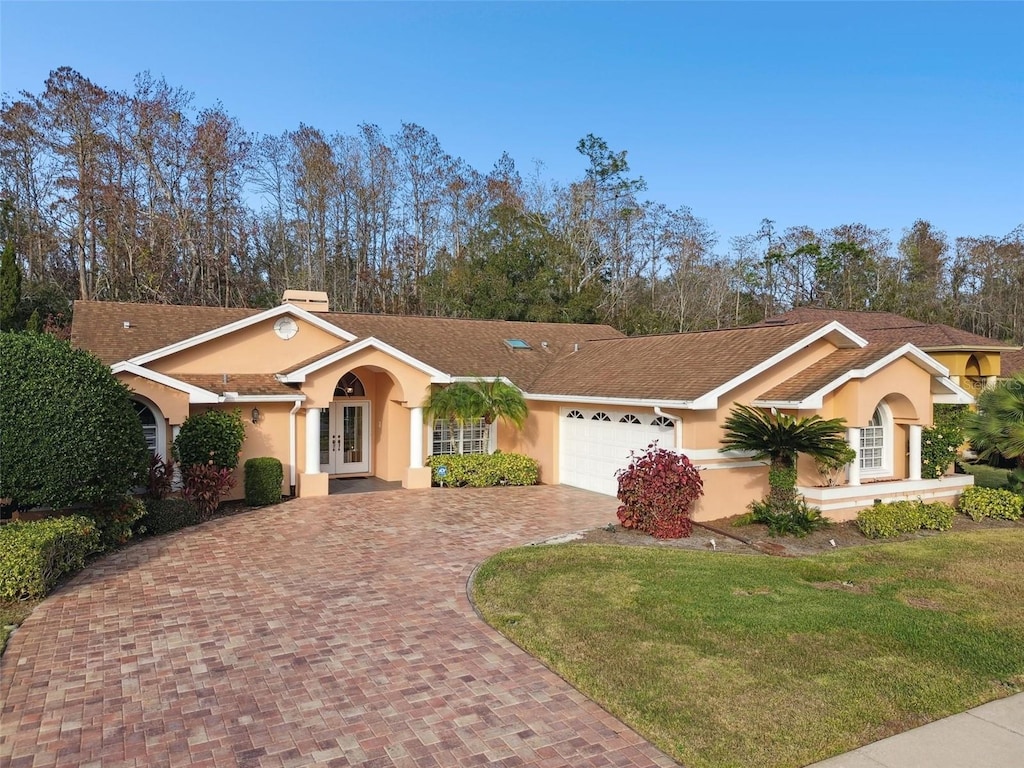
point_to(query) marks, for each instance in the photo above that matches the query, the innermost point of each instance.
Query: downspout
(292, 453)
(678, 430)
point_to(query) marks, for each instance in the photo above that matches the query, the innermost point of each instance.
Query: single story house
(335, 394)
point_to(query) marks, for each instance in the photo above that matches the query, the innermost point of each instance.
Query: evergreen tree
(10, 274)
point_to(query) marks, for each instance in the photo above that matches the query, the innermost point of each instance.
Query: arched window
(629, 418)
(876, 442)
(349, 385)
(600, 416)
(662, 421)
(152, 427)
(574, 415)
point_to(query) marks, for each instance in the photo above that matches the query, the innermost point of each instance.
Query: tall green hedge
(35, 555)
(68, 429)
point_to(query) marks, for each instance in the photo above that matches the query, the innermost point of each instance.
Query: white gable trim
(709, 401)
(224, 330)
(299, 376)
(195, 394)
(954, 394)
(816, 399)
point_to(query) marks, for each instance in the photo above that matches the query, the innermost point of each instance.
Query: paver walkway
(335, 631)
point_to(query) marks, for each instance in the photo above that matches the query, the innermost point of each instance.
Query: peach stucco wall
(255, 349)
(538, 438)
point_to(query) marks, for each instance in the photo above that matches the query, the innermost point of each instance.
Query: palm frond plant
(779, 438)
(463, 402)
(997, 429)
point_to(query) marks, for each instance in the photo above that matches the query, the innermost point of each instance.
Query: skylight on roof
(517, 344)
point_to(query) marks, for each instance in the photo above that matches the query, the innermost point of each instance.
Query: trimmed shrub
(893, 518)
(656, 491)
(211, 437)
(979, 503)
(166, 515)
(939, 443)
(35, 555)
(263, 478)
(68, 429)
(481, 470)
(203, 487)
(116, 522)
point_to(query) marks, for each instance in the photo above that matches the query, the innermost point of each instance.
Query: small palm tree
(780, 438)
(500, 400)
(997, 429)
(463, 402)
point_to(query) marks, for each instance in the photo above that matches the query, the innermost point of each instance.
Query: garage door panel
(591, 450)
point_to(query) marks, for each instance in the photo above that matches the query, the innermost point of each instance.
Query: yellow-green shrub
(480, 470)
(895, 517)
(979, 503)
(34, 555)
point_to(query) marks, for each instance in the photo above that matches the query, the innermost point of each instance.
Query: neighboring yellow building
(341, 395)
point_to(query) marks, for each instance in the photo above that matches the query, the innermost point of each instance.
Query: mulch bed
(754, 538)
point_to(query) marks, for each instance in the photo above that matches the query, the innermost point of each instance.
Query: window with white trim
(600, 416)
(873, 444)
(629, 418)
(149, 427)
(448, 438)
(574, 415)
(662, 421)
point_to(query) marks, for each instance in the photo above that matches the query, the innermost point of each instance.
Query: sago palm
(780, 438)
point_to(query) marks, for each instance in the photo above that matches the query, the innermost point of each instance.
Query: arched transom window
(349, 385)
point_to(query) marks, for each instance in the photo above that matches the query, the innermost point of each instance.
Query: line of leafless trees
(143, 196)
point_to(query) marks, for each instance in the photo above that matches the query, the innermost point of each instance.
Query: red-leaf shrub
(203, 485)
(656, 491)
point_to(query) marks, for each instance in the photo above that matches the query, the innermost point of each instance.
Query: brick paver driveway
(334, 631)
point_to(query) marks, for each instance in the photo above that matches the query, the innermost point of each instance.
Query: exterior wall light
(255, 415)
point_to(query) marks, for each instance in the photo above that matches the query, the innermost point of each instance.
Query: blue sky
(806, 113)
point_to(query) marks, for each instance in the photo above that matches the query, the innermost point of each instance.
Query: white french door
(345, 438)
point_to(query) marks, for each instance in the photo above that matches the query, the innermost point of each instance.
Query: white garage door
(594, 443)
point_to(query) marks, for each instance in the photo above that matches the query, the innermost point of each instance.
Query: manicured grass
(986, 476)
(741, 660)
(12, 614)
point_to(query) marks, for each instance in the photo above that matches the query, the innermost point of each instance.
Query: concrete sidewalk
(989, 736)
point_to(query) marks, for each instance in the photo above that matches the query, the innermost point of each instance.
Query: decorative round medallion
(286, 328)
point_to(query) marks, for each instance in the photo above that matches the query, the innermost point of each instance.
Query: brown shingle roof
(241, 383)
(887, 327)
(827, 370)
(1011, 363)
(458, 347)
(670, 367)
(98, 326)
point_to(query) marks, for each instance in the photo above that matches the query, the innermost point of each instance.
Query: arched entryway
(345, 430)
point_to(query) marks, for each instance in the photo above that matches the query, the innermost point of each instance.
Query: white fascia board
(709, 401)
(807, 404)
(299, 376)
(816, 399)
(195, 394)
(224, 330)
(629, 402)
(955, 394)
(234, 397)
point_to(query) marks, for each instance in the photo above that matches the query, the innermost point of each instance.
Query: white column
(991, 381)
(416, 437)
(914, 470)
(853, 468)
(312, 441)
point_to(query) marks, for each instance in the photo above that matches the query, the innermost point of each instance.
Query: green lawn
(986, 476)
(737, 660)
(12, 614)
